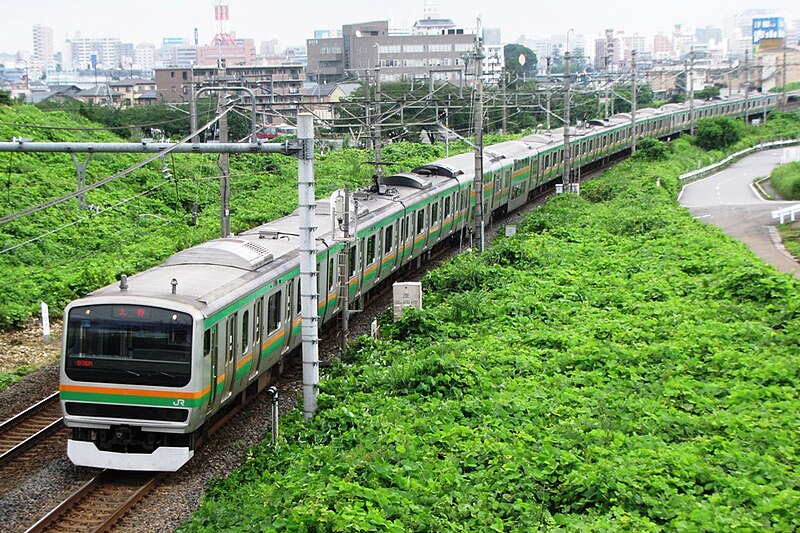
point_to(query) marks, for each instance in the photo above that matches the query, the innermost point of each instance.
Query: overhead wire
(122, 173)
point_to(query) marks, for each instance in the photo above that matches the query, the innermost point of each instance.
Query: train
(147, 363)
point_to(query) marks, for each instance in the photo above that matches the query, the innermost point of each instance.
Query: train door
(228, 376)
(274, 332)
(257, 336)
(388, 254)
(211, 352)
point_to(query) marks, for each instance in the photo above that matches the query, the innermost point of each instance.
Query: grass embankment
(143, 217)
(786, 180)
(616, 365)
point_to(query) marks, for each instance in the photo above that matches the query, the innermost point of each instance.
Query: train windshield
(129, 344)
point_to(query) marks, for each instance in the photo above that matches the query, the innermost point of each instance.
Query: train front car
(130, 388)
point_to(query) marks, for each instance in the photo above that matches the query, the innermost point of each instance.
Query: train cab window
(370, 249)
(447, 207)
(388, 235)
(245, 330)
(274, 311)
(420, 221)
(352, 254)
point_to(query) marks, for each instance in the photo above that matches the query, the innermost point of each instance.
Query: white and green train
(148, 362)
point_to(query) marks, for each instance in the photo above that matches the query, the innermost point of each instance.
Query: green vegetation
(793, 86)
(514, 68)
(9, 378)
(786, 180)
(649, 149)
(143, 217)
(615, 366)
(790, 233)
(717, 133)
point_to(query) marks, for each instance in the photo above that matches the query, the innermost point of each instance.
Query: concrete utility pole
(691, 92)
(566, 179)
(505, 107)
(308, 264)
(224, 169)
(377, 140)
(746, 84)
(608, 84)
(547, 74)
(783, 75)
(633, 101)
(478, 180)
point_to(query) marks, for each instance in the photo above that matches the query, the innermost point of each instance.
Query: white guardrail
(716, 167)
(790, 212)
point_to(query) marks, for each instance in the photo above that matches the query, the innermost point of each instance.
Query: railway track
(24, 430)
(98, 504)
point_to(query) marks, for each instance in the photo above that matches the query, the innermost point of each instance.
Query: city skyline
(264, 21)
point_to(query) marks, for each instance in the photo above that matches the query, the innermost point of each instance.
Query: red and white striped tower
(221, 15)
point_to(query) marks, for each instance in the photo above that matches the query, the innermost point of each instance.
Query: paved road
(728, 200)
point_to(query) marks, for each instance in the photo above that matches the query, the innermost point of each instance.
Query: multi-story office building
(368, 45)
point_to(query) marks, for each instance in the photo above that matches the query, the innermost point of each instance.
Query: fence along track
(25, 429)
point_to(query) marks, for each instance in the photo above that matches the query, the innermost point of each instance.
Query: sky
(291, 23)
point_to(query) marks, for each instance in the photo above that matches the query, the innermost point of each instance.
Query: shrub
(786, 180)
(717, 133)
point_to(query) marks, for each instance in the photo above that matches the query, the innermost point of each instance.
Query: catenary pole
(633, 101)
(566, 179)
(478, 180)
(308, 265)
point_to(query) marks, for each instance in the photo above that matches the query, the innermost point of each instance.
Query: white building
(43, 53)
(144, 56)
(105, 49)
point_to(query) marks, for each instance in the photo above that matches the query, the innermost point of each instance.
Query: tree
(517, 70)
(716, 133)
(707, 93)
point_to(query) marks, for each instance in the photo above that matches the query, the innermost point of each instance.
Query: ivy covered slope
(64, 252)
(616, 365)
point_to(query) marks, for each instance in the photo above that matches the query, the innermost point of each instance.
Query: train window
(447, 207)
(299, 305)
(257, 324)
(388, 235)
(245, 330)
(403, 228)
(231, 330)
(274, 309)
(420, 221)
(331, 273)
(434, 213)
(352, 260)
(210, 342)
(370, 249)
